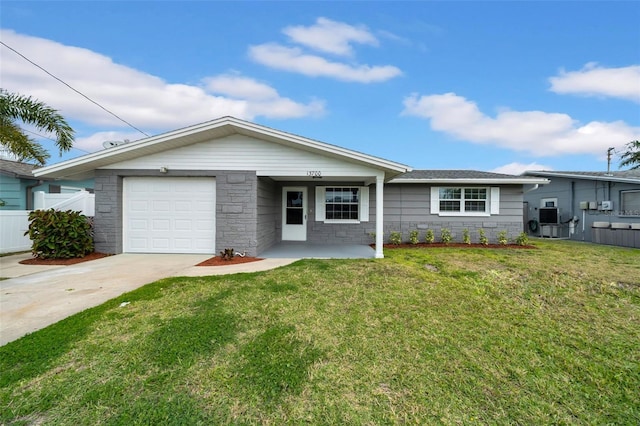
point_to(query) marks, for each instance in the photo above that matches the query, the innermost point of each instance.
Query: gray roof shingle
(17, 169)
(454, 174)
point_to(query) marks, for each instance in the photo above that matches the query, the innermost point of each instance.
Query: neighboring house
(17, 185)
(232, 183)
(577, 205)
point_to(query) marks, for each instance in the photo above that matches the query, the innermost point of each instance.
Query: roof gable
(216, 129)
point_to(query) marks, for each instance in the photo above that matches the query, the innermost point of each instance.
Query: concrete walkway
(303, 249)
(37, 296)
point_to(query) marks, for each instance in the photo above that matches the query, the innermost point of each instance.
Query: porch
(304, 249)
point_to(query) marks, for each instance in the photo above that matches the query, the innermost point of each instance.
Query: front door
(294, 214)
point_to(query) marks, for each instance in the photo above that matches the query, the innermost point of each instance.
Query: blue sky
(498, 86)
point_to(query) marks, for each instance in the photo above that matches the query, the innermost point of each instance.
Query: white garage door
(169, 215)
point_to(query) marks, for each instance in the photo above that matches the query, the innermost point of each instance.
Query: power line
(51, 139)
(75, 90)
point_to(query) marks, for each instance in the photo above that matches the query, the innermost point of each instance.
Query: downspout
(29, 194)
(535, 186)
(526, 226)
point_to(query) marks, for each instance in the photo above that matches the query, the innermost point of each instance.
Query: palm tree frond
(14, 140)
(631, 157)
(14, 106)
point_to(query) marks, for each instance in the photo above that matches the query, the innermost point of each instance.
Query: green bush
(429, 238)
(445, 235)
(59, 234)
(503, 238)
(522, 239)
(466, 238)
(413, 237)
(395, 238)
(483, 237)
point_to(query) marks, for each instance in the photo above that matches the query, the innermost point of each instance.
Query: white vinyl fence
(14, 223)
(80, 201)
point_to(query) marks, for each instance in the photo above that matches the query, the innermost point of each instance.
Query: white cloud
(237, 86)
(95, 141)
(264, 100)
(330, 36)
(518, 168)
(147, 101)
(536, 132)
(293, 59)
(593, 80)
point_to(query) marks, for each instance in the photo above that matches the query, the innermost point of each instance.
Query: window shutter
(364, 204)
(320, 208)
(495, 200)
(435, 200)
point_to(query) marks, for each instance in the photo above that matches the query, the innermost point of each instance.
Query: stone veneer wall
(236, 202)
(268, 213)
(236, 211)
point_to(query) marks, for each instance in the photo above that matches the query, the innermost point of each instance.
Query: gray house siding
(569, 192)
(236, 205)
(407, 208)
(249, 212)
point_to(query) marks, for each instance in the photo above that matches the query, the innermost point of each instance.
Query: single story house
(586, 206)
(17, 185)
(233, 183)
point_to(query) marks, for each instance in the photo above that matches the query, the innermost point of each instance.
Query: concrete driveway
(38, 296)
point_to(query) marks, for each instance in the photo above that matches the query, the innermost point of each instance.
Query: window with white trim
(465, 201)
(630, 203)
(342, 204)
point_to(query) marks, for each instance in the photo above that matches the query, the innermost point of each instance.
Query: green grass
(424, 336)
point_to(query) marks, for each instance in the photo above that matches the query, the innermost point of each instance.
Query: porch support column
(379, 216)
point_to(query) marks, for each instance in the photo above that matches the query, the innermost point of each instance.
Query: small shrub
(395, 238)
(445, 235)
(429, 237)
(466, 238)
(373, 236)
(483, 237)
(413, 237)
(522, 239)
(503, 239)
(227, 254)
(59, 234)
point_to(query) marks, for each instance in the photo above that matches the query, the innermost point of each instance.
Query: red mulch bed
(219, 261)
(72, 261)
(457, 245)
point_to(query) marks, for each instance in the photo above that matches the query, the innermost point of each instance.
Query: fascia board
(466, 181)
(585, 177)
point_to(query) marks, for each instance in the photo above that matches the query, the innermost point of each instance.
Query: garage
(169, 214)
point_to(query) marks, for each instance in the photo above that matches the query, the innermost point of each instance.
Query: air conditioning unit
(549, 215)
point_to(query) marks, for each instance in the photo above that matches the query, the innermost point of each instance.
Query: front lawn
(425, 336)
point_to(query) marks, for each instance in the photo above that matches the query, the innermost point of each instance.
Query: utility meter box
(584, 205)
(606, 205)
(593, 205)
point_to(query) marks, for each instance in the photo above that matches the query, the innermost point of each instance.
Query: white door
(294, 214)
(169, 215)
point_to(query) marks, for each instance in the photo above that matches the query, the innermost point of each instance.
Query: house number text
(314, 173)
